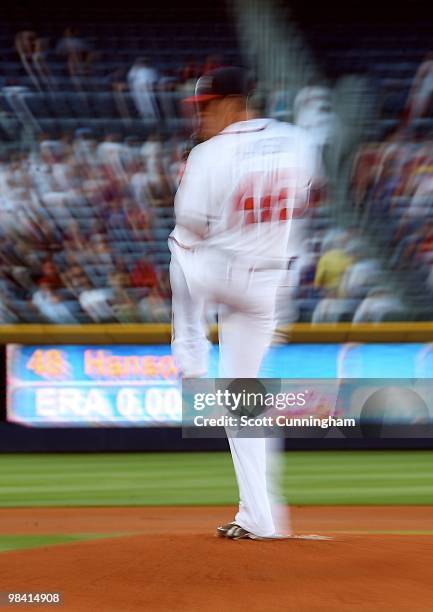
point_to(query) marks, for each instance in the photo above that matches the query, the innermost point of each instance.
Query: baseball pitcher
(241, 188)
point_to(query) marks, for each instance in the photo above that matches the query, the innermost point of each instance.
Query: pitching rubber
(310, 536)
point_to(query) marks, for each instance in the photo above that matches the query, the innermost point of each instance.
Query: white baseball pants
(246, 322)
(189, 342)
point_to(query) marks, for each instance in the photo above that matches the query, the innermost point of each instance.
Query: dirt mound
(176, 564)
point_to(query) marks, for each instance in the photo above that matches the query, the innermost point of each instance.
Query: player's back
(258, 176)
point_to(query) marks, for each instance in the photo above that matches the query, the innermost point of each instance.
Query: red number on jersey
(263, 197)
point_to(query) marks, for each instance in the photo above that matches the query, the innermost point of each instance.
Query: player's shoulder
(295, 133)
(254, 128)
(199, 154)
(257, 128)
(289, 129)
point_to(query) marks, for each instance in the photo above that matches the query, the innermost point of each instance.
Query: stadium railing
(160, 333)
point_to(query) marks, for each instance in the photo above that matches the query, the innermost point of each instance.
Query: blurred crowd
(347, 282)
(47, 63)
(86, 213)
(85, 226)
(393, 188)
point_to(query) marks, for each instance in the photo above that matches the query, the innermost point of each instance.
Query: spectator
(117, 81)
(101, 249)
(7, 314)
(40, 63)
(421, 203)
(429, 280)
(166, 98)
(139, 221)
(363, 273)
(142, 80)
(76, 51)
(143, 275)
(364, 171)
(333, 310)
(50, 305)
(131, 151)
(175, 165)
(110, 153)
(153, 308)
(382, 192)
(406, 237)
(152, 152)
(425, 248)
(96, 302)
(75, 280)
(190, 71)
(380, 304)
(25, 45)
(141, 184)
(421, 90)
(84, 147)
(124, 308)
(50, 276)
(159, 184)
(330, 270)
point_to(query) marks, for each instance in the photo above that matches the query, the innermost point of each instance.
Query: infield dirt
(380, 559)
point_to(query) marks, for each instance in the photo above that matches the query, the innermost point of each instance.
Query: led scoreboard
(141, 386)
(119, 385)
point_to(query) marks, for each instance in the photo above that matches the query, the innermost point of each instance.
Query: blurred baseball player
(239, 192)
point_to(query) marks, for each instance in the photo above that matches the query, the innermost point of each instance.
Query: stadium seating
(57, 108)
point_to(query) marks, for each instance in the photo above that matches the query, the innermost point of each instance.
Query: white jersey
(241, 189)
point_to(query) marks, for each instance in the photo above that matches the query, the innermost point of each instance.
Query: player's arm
(192, 198)
(312, 158)
(310, 168)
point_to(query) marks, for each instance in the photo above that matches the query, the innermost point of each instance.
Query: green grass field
(337, 477)
(17, 542)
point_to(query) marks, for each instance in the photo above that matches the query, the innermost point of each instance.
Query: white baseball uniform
(233, 211)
